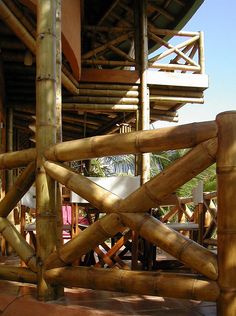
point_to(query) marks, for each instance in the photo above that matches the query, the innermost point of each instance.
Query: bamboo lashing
(18, 243)
(178, 137)
(87, 240)
(17, 159)
(226, 216)
(18, 190)
(136, 282)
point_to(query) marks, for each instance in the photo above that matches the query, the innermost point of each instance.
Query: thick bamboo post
(10, 180)
(87, 240)
(226, 216)
(18, 243)
(137, 282)
(183, 136)
(17, 159)
(46, 219)
(17, 274)
(16, 192)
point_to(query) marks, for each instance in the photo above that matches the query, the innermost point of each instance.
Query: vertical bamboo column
(226, 179)
(45, 136)
(144, 93)
(201, 53)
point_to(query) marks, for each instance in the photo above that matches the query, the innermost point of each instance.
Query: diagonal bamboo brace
(136, 282)
(182, 248)
(18, 243)
(99, 197)
(183, 136)
(87, 240)
(20, 187)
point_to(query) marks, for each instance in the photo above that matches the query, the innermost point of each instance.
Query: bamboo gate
(50, 265)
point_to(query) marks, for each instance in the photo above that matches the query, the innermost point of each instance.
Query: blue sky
(216, 18)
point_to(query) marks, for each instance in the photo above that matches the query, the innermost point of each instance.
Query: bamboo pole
(46, 220)
(109, 93)
(20, 30)
(81, 185)
(18, 190)
(99, 107)
(102, 100)
(17, 274)
(183, 136)
(136, 282)
(115, 29)
(108, 86)
(17, 159)
(226, 179)
(18, 243)
(87, 240)
(176, 99)
(175, 67)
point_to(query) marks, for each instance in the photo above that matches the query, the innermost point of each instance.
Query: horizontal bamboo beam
(18, 243)
(102, 100)
(108, 86)
(136, 282)
(87, 240)
(18, 190)
(183, 136)
(113, 29)
(175, 67)
(99, 107)
(171, 32)
(17, 159)
(107, 62)
(176, 99)
(108, 93)
(17, 274)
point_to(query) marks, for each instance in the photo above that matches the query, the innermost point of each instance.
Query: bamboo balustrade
(49, 266)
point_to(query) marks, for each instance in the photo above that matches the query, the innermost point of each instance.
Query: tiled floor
(19, 300)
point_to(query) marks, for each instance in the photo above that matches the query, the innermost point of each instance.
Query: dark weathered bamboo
(16, 192)
(226, 216)
(18, 243)
(45, 136)
(17, 159)
(184, 136)
(87, 240)
(17, 274)
(136, 282)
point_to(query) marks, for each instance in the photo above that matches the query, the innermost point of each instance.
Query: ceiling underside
(19, 79)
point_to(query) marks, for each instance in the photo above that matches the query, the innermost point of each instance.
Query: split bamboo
(226, 216)
(87, 240)
(17, 274)
(18, 243)
(17, 159)
(18, 190)
(184, 136)
(136, 282)
(46, 220)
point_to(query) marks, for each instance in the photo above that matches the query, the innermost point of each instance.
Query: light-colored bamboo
(176, 99)
(87, 240)
(182, 248)
(109, 93)
(99, 107)
(17, 159)
(18, 243)
(108, 86)
(136, 282)
(226, 216)
(201, 53)
(175, 67)
(46, 220)
(177, 93)
(81, 185)
(184, 136)
(159, 31)
(17, 274)
(18, 190)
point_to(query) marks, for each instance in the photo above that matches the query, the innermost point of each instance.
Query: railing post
(226, 179)
(201, 53)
